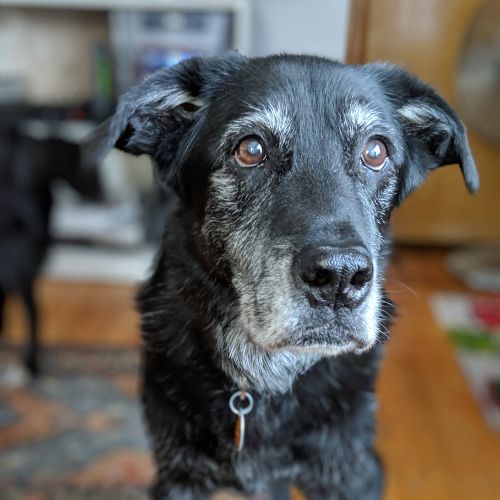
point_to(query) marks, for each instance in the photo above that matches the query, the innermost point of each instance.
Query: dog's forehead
(280, 92)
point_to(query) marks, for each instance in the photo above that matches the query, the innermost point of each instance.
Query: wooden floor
(432, 437)
(433, 440)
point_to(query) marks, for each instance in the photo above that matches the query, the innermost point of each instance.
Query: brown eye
(374, 154)
(249, 152)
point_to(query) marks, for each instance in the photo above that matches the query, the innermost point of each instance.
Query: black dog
(28, 169)
(269, 278)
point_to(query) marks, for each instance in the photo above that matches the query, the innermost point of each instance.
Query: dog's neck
(254, 368)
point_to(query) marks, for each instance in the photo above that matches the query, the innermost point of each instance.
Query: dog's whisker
(404, 286)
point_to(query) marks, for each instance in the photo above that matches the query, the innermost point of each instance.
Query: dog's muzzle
(334, 276)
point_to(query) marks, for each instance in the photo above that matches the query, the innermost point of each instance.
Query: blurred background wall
(318, 27)
(50, 51)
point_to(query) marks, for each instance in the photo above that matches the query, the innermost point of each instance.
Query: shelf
(130, 4)
(241, 10)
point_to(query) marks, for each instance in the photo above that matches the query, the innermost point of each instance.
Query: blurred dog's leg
(2, 306)
(31, 356)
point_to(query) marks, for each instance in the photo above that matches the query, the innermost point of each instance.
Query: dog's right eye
(249, 152)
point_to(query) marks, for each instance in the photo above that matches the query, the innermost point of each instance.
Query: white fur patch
(359, 116)
(273, 117)
(372, 309)
(254, 368)
(420, 114)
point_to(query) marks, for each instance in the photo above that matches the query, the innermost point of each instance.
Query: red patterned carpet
(76, 432)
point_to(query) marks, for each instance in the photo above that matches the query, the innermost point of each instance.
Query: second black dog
(28, 169)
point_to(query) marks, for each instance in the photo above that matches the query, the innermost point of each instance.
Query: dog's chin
(325, 349)
(318, 343)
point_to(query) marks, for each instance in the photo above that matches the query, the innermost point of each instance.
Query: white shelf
(240, 8)
(129, 4)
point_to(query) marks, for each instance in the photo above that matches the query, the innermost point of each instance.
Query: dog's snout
(337, 276)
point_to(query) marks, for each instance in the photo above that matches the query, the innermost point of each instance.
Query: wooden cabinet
(426, 36)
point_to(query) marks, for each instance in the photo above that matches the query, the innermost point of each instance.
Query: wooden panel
(425, 36)
(356, 37)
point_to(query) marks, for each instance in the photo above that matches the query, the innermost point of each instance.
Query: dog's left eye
(249, 152)
(374, 155)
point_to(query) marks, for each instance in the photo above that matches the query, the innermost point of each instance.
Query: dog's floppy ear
(435, 135)
(160, 110)
(164, 103)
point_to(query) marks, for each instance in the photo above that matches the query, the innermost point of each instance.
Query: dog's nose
(337, 276)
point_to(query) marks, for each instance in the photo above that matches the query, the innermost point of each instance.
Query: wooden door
(425, 36)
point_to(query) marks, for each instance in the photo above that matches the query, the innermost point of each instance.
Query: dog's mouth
(327, 339)
(347, 340)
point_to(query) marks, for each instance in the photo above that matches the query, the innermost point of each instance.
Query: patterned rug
(472, 322)
(76, 432)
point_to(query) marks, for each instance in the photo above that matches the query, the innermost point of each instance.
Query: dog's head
(288, 168)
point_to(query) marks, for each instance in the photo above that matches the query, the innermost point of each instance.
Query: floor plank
(79, 313)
